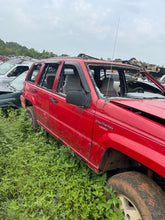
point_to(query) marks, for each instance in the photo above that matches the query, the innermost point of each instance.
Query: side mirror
(79, 98)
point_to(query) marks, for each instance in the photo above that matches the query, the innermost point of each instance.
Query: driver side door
(70, 123)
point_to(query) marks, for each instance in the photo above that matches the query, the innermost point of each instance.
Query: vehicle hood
(6, 88)
(154, 107)
(4, 79)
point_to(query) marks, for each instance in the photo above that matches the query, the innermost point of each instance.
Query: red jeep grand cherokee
(112, 115)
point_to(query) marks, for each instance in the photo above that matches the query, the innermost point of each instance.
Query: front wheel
(141, 198)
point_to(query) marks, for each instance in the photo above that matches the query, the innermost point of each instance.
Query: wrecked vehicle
(112, 125)
(13, 68)
(10, 93)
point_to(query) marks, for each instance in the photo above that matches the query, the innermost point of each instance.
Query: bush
(41, 179)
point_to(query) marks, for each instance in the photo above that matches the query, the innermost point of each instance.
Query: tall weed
(41, 179)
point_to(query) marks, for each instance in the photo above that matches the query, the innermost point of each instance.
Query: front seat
(72, 83)
(107, 87)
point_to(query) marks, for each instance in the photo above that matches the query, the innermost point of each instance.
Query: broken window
(48, 75)
(34, 72)
(69, 80)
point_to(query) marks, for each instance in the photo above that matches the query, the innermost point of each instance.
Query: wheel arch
(28, 103)
(117, 147)
(113, 159)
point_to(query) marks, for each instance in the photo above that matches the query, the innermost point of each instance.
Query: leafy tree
(2, 43)
(18, 50)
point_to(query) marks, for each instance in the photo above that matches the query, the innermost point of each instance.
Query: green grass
(41, 179)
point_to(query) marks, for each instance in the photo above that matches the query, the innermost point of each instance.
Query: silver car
(12, 69)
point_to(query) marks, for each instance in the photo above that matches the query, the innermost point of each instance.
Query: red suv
(112, 115)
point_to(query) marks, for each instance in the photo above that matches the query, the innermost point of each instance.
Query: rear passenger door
(30, 85)
(72, 124)
(44, 90)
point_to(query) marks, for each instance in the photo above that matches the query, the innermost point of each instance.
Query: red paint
(106, 124)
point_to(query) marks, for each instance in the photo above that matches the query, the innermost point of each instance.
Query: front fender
(140, 148)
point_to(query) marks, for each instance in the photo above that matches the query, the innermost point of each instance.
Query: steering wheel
(138, 89)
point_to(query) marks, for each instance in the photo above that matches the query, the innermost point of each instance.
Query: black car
(10, 93)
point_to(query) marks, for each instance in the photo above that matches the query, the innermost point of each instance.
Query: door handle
(53, 100)
(34, 90)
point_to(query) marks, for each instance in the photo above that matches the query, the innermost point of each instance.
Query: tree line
(13, 48)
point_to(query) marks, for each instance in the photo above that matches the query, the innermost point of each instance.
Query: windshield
(122, 82)
(18, 82)
(5, 67)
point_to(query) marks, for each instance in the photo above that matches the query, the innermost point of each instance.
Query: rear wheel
(141, 198)
(31, 115)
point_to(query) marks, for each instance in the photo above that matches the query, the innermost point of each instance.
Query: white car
(12, 69)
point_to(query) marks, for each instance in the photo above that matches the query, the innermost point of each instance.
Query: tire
(141, 198)
(31, 114)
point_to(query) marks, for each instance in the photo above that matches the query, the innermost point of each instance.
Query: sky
(100, 28)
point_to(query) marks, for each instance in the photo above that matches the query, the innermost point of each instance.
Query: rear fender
(27, 101)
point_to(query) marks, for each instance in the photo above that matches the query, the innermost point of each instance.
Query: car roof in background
(21, 60)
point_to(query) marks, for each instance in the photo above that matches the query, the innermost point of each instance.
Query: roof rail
(85, 56)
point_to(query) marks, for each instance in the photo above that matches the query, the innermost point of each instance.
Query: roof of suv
(92, 60)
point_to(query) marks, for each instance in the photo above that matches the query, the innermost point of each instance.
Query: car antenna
(113, 55)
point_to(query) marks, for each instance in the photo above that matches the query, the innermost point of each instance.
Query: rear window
(34, 72)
